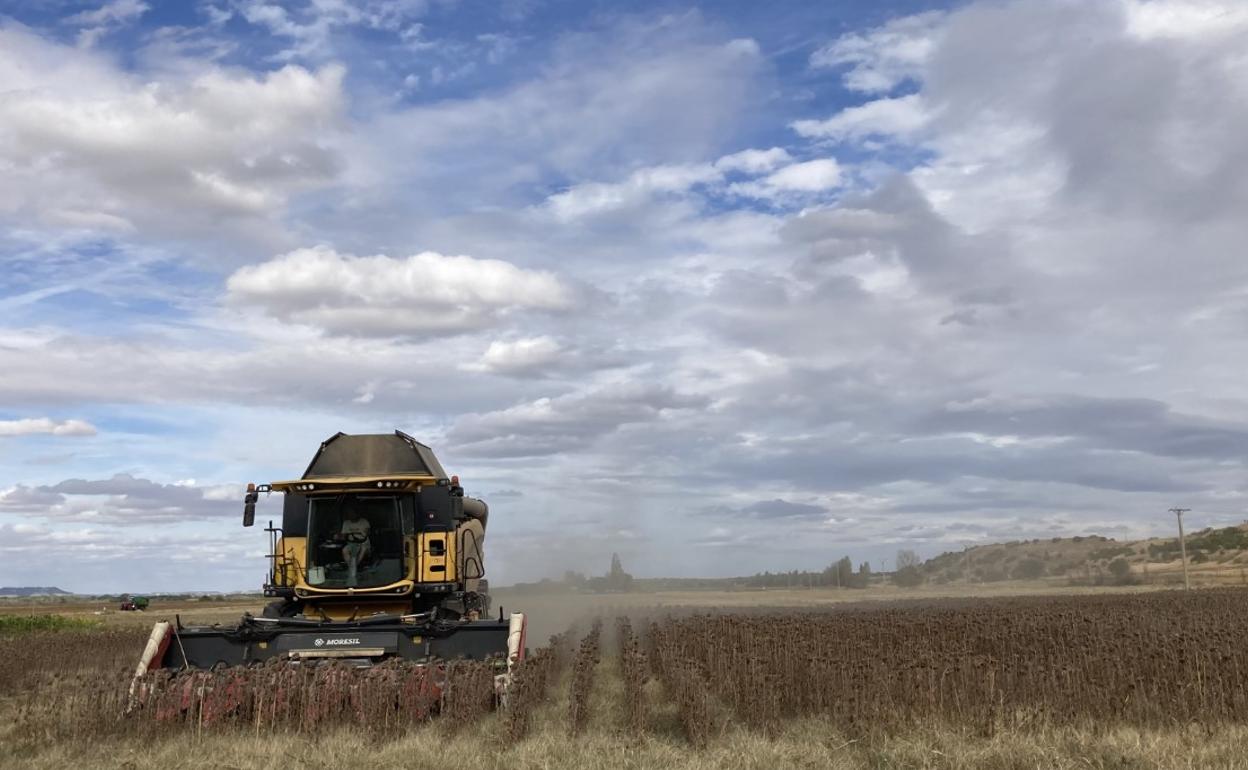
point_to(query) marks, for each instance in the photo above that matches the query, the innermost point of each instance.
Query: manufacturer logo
(319, 642)
(339, 642)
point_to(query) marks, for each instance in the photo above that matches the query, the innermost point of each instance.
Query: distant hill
(10, 591)
(1220, 553)
(1216, 556)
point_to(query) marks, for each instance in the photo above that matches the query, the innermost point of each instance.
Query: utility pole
(1178, 513)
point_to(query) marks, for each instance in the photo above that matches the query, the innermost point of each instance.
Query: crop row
(1165, 658)
(1145, 660)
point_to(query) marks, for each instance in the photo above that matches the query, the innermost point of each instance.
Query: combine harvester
(379, 556)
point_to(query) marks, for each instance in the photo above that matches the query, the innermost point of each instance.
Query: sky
(723, 287)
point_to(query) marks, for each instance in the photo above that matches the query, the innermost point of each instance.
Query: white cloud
(426, 293)
(753, 161)
(600, 197)
(521, 356)
(105, 18)
(900, 118)
(881, 59)
(111, 13)
(1149, 19)
(808, 177)
(312, 26)
(86, 143)
(654, 183)
(32, 426)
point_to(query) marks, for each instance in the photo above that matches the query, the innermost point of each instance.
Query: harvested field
(1140, 680)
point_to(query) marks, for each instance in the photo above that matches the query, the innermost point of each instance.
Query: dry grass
(802, 744)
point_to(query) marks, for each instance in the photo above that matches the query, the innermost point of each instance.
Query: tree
(863, 579)
(908, 573)
(617, 578)
(1120, 568)
(845, 573)
(907, 558)
(908, 577)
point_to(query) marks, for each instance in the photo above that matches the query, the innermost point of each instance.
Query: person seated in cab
(354, 535)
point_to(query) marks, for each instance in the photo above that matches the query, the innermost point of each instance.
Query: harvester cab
(375, 525)
(379, 554)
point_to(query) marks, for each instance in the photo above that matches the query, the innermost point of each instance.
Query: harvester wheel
(282, 608)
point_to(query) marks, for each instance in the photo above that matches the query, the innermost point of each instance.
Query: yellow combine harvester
(379, 555)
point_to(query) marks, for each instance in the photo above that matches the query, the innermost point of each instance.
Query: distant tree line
(839, 574)
(615, 581)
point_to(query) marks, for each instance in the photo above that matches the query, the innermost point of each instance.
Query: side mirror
(249, 505)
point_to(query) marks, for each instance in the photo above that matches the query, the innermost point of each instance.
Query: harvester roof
(344, 458)
(374, 454)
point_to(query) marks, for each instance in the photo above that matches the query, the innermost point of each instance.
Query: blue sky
(875, 275)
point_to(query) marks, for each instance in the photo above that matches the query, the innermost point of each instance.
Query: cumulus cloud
(754, 161)
(805, 178)
(518, 357)
(424, 294)
(1149, 19)
(86, 145)
(810, 176)
(33, 426)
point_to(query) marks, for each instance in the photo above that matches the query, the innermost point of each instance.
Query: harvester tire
(281, 608)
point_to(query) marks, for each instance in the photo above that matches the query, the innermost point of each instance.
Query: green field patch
(12, 625)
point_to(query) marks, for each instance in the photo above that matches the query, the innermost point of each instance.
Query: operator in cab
(354, 535)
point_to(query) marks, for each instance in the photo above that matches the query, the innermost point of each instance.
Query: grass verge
(12, 625)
